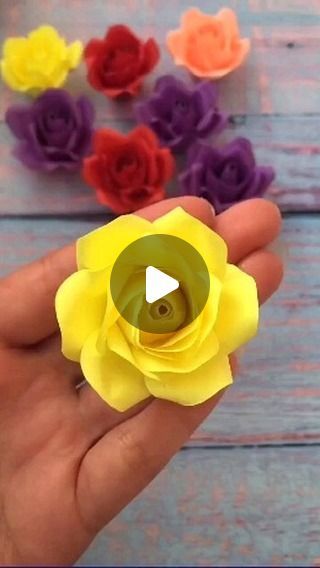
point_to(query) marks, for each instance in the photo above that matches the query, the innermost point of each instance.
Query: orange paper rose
(209, 46)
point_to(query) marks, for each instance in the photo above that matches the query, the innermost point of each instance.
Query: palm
(43, 439)
(66, 458)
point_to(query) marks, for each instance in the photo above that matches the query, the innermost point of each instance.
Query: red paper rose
(118, 63)
(128, 172)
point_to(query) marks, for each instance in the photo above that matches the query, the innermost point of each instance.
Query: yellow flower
(39, 61)
(126, 365)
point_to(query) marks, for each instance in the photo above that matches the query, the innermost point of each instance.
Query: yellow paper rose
(126, 365)
(39, 61)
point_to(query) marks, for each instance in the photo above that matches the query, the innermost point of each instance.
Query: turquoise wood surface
(246, 491)
(211, 507)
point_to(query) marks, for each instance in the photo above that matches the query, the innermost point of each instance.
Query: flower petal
(44, 34)
(235, 62)
(145, 134)
(10, 77)
(210, 245)
(193, 18)
(229, 20)
(193, 388)
(80, 306)
(18, 119)
(31, 157)
(120, 36)
(14, 46)
(105, 140)
(117, 382)
(179, 362)
(238, 316)
(93, 47)
(75, 51)
(101, 247)
(151, 56)
(86, 109)
(175, 44)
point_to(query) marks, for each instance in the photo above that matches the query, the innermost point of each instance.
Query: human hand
(69, 463)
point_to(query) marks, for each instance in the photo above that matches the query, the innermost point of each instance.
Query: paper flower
(225, 176)
(41, 60)
(209, 46)
(180, 115)
(124, 365)
(128, 172)
(118, 63)
(53, 132)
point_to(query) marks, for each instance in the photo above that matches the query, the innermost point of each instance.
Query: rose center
(231, 174)
(126, 164)
(181, 106)
(161, 309)
(56, 120)
(118, 60)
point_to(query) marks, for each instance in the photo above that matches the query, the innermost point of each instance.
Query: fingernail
(208, 204)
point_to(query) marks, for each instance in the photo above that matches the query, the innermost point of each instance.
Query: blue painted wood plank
(276, 397)
(257, 507)
(276, 93)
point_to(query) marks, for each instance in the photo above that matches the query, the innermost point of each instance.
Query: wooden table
(246, 489)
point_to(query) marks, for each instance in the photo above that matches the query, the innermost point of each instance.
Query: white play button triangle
(158, 284)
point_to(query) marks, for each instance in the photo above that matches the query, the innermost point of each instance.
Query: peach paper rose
(209, 46)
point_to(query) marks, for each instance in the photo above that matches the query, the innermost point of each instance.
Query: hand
(69, 463)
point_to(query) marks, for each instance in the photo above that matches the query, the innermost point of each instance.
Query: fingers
(50, 357)
(27, 296)
(99, 417)
(267, 270)
(248, 226)
(126, 459)
(195, 206)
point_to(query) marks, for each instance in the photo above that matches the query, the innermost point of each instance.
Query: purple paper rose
(225, 176)
(180, 115)
(54, 131)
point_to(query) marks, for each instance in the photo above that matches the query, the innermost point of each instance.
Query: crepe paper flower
(128, 172)
(125, 365)
(225, 176)
(180, 115)
(118, 63)
(41, 60)
(208, 45)
(53, 132)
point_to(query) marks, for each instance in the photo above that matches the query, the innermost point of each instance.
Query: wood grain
(256, 507)
(274, 97)
(290, 144)
(276, 398)
(227, 499)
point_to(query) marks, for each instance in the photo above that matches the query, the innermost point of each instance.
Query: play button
(158, 284)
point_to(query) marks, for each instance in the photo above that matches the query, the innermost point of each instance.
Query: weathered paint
(275, 97)
(245, 504)
(240, 507)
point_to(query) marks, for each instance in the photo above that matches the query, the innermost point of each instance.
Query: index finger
(27, 296)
